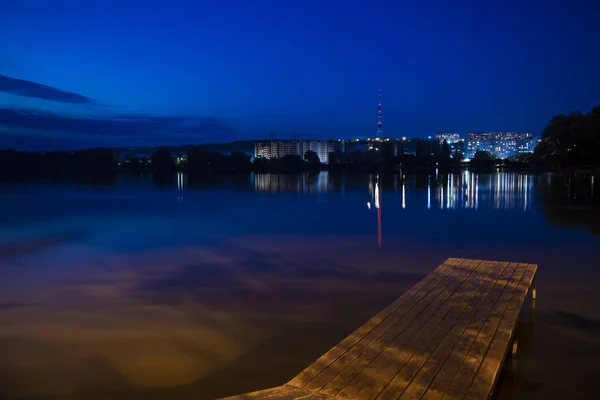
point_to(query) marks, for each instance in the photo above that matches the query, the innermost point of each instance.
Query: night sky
(91, 73)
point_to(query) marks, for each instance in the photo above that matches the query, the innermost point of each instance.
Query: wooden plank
(297, 394)
(426, 345)
(391, 353)
(481, 342)
(283, 392)
(326, 359)
(323, 376)
(313, 396)
(334, 370)
(447, 337)
(416, 389)
(259, 394)
(453, 362)
(488, 372)
(362, 356)
(352, 389)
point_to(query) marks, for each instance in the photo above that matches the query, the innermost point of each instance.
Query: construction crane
(272, 135)
(300, 136)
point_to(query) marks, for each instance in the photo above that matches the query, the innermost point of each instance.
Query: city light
(500, 144)
(275, 149)
(450, 138)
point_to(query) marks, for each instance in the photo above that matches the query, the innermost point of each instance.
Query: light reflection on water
(186, 288)
(450, 191)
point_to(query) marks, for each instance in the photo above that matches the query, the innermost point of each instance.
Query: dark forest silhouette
(571, 140)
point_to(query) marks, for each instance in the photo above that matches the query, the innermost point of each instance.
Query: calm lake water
(169, 289)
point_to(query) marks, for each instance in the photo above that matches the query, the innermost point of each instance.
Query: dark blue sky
(90, 73)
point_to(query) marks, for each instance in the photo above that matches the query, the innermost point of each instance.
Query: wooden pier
(447, 337)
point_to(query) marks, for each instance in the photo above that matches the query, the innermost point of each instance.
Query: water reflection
(181, 287)
(566, 200)
(309, 183)
(375, 191)
(180, 185)
(571, 201)
(506, 191)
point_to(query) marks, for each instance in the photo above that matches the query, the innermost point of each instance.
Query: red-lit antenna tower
(379, 116)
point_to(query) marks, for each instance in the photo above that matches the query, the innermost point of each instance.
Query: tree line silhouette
(568, 142)
(428, 153)
(92, 162)
(571, 140)
(106, 162)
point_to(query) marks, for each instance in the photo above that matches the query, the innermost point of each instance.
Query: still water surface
(160, 289)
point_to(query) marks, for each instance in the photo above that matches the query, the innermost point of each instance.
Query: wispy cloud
(113, 126)
(26, 88)
(38, 141)
(117, 130)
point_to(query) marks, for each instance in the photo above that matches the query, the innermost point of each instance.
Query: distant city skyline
(117, 74)
(500, 144)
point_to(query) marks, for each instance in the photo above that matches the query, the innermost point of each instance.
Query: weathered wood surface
(445, 338)
(283, 392)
